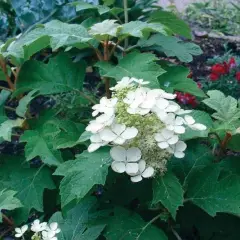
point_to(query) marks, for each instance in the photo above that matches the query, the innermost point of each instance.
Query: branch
(4, 68)
(7, 220)
(125, 5)
(176, 234)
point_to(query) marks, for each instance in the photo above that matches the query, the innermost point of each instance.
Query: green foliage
(171, 47)
(54, 73)
(129, 226)
(139, 65)
(81, 174)
(8, 201)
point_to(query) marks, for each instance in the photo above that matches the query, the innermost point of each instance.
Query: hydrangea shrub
(93, 139)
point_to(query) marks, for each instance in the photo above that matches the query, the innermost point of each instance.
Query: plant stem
(98, 53)
(115, 45)
(7, 89)
(87, 97)
(7, 219)
(4, 68)
(176, 234)
(10, 108)
(148, 224)
(125, 6)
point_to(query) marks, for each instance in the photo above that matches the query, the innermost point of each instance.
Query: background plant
(52, 75)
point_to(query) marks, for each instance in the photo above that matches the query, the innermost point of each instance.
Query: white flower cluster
(42, 231)
(143, 125)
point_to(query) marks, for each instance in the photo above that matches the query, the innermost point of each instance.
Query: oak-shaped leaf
(135, 64)
(172, 47)
(128, 226)
(81, 174)
(79, 222)
(168, 191)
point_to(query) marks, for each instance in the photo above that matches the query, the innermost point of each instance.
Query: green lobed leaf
(65, 75)
(81, 174)
(24, 102)
(170, 20)
(234, 143)
(141, 29)
(212, 194)
(126, 225)
(175, 78)
(226, 107)
(172, 47)
(135, 64)
(29, 183)
(3, 98)
(168, 191)
(200, 117)
(78, 222)
(196, 157)
(84, 137)
(8, 201)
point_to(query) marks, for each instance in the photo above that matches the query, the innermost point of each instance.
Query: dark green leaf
(126, 225)
(8, 201)
(212, 194)
(175, 24)
(81, 174)
(65, 75)
(77, 224)
(176, 79)
(138, 65)
(172, 47)
(168, 191)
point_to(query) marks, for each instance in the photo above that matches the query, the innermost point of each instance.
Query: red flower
(220, 69)
(214, 76)
(232, 63)
(238, 76)
(186, 99)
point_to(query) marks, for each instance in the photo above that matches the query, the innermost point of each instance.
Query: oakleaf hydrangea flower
(20, 231)
(37, 226)
(143, 126)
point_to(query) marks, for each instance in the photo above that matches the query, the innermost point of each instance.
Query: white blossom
(135, 98)
(178, 149)
(96, 143)
(105, 106)
(174, 123)
(141, 81)
(125, 160)
(124, 83)
(20, 231)
(190, 122)
(166, 138)
(118, 133)
(143, 172)
(48, 235)
(37, 226)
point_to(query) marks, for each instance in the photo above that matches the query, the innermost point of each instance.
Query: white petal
(129, 98)
(94, 127)
(168, 95)
(119, 141)
(161, 115)
(103, 118)
(118, 128)
(53, 226)
(143, 111)
(141, 166)
(118, 167)
(103, 101)
(133, 154)
(137, 178)
(95, 113)
(148, 172)
(167, 134)
(159, 137)
(148, 102)
(170, 150)
(181, 146)
(129, 133)
(163, 145)
(173, 140)
(170, 127)
(107, 135)
(18, 235)
(170, 118)
(179, 129)
(95, 138)
(118, 154)
(179, 121)
(179, 154)
(24, 228)
(131, 168)
(18, 230)
(189, 119)
(198, 126)
(162, 103)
